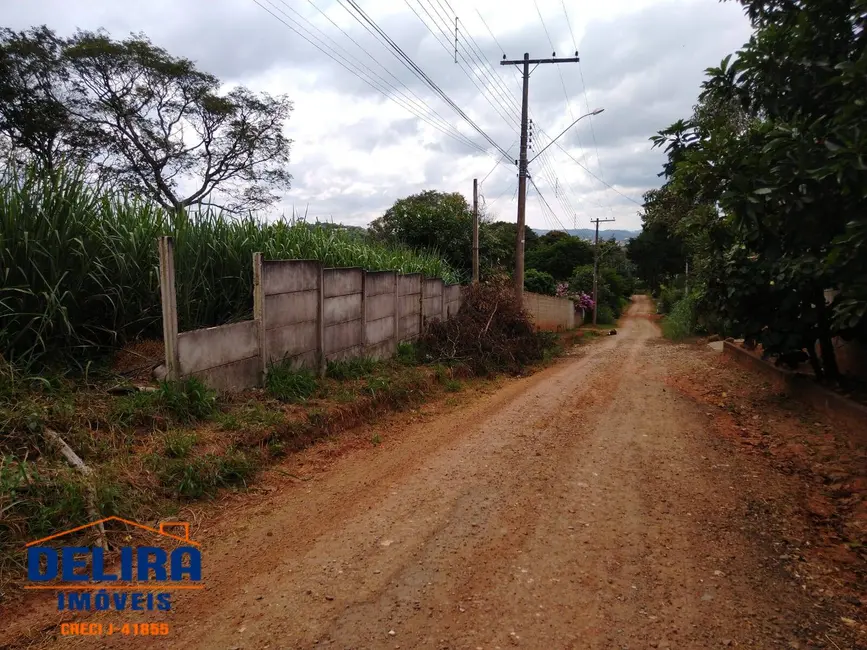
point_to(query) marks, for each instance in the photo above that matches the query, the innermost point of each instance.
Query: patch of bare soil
(817, 526)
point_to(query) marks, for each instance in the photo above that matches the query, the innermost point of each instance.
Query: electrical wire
(361, 16)
(353, 69)
(481, 89)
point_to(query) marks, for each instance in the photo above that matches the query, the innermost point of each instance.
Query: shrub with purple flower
(581, 300)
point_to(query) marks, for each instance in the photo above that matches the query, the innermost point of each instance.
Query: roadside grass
(679, 323)
(151, 451)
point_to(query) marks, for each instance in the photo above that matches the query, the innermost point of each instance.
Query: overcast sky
(355, 151)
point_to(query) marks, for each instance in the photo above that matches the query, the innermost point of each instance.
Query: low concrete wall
(805, 389)
(225, 357)
(307, 315)
(550, 313)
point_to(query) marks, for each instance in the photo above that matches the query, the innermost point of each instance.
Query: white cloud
(356, 152)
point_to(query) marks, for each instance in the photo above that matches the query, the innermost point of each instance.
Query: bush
(667, 298)
(490, 333)
(680, 323)
(540, 282)
(605, 315)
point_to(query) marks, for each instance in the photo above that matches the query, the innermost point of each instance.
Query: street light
(596, 112)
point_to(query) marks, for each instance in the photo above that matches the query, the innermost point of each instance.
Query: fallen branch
(67, 452)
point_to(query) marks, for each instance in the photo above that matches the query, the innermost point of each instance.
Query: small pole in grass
(170, 306)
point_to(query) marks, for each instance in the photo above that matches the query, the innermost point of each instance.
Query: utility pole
(596, 267)
(686, 282)
(475, 231)
(522, 163)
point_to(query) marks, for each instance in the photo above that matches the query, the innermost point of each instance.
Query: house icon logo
(122, 578)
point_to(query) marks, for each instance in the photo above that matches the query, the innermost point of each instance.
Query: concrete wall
(308, 315)
(550, 313)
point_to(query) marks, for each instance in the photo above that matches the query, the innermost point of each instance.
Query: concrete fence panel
(432, 308)
(452, 299)
(343, 313)
(409, 305)
(380, 304)
(224, 357)
(290, 294)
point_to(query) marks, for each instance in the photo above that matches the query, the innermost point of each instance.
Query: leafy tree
(540, 282)
(559, 254)
(34, 122)
(497, 244)
(431, 220)
(765, 182)
(142, 118)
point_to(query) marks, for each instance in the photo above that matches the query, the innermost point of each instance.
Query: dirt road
(587, 506)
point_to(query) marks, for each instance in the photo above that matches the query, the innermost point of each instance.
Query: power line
(386, 70)
(606, 184)
(550, 209)
(362, 18)
(465, 70)
(353, 68)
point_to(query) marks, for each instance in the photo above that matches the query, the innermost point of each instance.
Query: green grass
(80, 274)
(289, 384)
(202, 476)
(680, 322)
(351, 368)
(183, 402)
(178, 444)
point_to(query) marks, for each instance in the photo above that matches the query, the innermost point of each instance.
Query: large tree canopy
(140, 117)
(766, 184)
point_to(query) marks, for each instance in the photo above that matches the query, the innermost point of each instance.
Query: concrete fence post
(363, 312)
(169, 306)
(396, 311)
(443, 302)
(421, 306)
(320, 322)
(259, 314)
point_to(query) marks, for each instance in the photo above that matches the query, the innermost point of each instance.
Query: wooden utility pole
(475, 230)
(596, 267)
(522, 163)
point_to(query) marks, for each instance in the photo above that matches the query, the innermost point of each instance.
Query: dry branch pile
(490, 333)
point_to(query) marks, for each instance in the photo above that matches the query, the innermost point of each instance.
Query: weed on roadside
(351, 368)
(184, 402)
(203, 475)
(289, 384)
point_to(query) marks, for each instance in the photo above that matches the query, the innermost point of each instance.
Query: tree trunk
(814, 360)
(829, 356)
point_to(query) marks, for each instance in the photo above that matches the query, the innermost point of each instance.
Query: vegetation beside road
(153, 452)
(764, 189)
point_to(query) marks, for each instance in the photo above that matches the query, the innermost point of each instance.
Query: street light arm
(596, 112)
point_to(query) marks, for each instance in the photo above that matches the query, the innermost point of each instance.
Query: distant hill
(589, 233)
